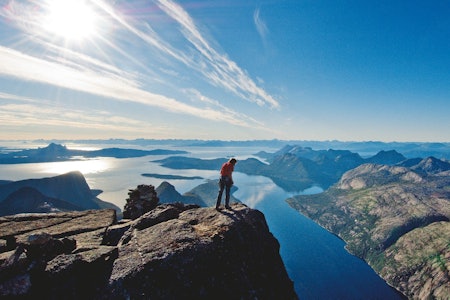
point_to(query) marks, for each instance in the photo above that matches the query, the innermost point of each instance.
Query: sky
(225, 70)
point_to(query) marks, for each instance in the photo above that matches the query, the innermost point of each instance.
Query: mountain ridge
(293, 168)
(71, 188)
(30, 200)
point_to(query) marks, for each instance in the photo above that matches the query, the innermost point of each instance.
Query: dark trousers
(224, 184)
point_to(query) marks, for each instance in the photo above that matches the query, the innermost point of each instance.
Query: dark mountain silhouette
(432, 165)
(55, 152)
(203, 195)
(391, 157)
(291, 172)
(70, 187)
(168, 194)
(30, 200)
(410, 162)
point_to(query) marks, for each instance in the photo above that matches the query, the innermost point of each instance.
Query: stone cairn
(141, 200)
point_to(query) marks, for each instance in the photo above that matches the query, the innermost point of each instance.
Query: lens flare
(70, 19)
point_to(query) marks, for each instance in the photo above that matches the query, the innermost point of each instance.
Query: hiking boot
(227, 207)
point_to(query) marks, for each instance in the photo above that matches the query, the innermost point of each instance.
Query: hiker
(225, 182)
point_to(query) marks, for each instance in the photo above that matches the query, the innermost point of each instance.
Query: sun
(70, 19)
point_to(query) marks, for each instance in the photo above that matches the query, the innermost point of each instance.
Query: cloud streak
(215, 66)
(25, 112)
(260, 25)
(101, 83)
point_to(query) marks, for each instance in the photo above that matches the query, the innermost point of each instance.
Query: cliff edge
(171, 252)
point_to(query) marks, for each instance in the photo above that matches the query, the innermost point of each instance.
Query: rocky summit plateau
(171, 251)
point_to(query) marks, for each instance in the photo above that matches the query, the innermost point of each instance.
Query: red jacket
(227, 169)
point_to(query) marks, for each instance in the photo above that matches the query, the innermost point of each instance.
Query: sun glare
(84, 166)
(70, 19)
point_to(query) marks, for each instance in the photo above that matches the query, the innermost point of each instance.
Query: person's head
(233, 161)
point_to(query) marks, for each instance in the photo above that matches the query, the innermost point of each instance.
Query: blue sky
(230, 70)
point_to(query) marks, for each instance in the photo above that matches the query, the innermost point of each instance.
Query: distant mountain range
(394, 217)
(55, 152)
(293, 168)
(60, 193)
(365, 148)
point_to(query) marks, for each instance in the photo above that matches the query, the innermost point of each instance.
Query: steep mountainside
(70, 188)
(396, 219)
(30, 200)
(170, 252)
(167, 193)
(432, 165)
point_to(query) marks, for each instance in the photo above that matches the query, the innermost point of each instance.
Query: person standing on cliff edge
(225, 182)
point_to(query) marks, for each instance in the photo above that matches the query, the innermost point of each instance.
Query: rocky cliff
(171, 252)
(394, 217)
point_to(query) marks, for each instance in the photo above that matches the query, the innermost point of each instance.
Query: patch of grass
(439, 260)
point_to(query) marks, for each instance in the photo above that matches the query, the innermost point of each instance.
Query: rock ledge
(171, 252)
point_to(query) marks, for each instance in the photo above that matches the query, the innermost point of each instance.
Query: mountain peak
(54, 146)
(70, 188)
(368, 175)
(167, 193)
(390, 157)
(432, 165)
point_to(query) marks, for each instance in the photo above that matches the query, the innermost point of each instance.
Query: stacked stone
(141, 200)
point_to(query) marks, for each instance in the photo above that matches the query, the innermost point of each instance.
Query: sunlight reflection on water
(84, 166)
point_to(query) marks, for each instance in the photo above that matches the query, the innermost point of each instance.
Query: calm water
(315, 259)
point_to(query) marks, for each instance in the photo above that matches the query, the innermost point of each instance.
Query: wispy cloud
(260, 25)
(232, 116)
(102, 83)
(215, 66)
(27, 111)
